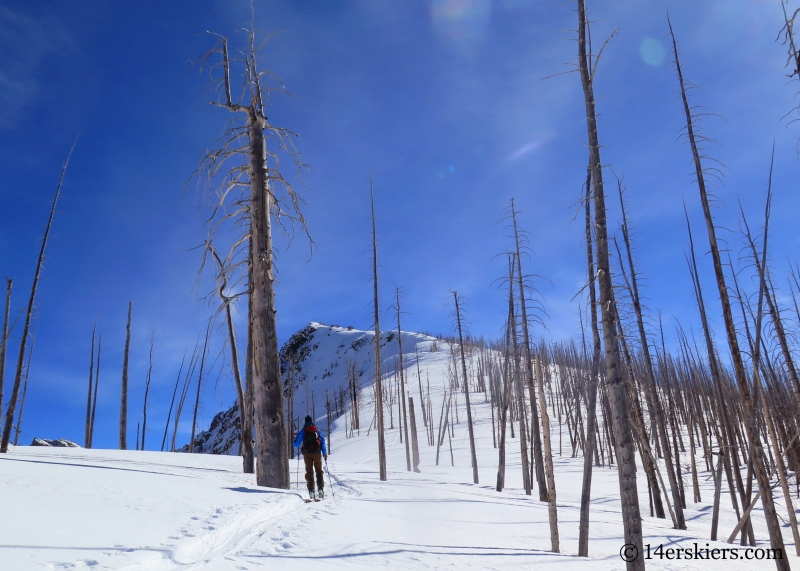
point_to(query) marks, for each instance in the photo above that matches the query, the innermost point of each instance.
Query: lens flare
(652, 52)
(462, 23)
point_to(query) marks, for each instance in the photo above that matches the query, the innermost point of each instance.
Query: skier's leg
(318, 470)
(308, 459)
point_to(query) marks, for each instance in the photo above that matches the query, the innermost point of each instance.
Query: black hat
(309, 420)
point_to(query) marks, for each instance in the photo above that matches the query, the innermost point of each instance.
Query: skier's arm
(298, 441)
(324, 445)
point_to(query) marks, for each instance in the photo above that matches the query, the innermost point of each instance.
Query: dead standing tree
(591, 388)
(146, 387)
(535, 432)
(4, 340)
(253, 195)
(12, 403)
(87, 429)
(458, 302)
(654, 402)
(123, 403)
(616, 388)
(376, 314)
(402, 376)
(753, 438)
(243, 398)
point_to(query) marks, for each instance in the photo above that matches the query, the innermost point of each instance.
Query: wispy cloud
(530, 147)
(25, 41)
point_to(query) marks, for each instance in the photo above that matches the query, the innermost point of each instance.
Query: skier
(312, 447)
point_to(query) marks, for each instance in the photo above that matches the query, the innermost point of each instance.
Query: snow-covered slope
(314, 363)
(78, 509)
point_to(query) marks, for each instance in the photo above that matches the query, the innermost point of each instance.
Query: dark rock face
(222, 437)
(318, 356)
(298, 348)
(60, 443)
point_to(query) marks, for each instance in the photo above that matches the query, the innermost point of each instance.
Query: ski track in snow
(78, 510)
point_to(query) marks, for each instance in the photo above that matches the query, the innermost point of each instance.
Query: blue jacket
(298, 441)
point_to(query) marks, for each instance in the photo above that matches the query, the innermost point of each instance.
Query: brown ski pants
(314, 464)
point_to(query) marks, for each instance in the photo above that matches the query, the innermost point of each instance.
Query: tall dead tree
(147, 389)
(265, 198)
(123, 403)
(414, 440)
(419, 385)
(377, 339)
(248, 421)
(616, 388)
(25, 385)
(656, 408)
(402, 377)
(526, 340)
(506, 385)
(12, 403)
(761, 267)
(242, 401)
(591, 383)
(552, 509)
(86, 437)
(4, 341)
(458, 302)
(96, 382)
(172, 402)
(184, 392)
(200, 385)
(754, 441)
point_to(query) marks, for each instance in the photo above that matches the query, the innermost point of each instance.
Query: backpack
(311, 443)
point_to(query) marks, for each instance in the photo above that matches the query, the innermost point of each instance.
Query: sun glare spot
(461, 22)
(652, 51)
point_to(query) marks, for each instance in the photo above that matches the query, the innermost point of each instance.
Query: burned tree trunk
(245, 413)
(591, 389)
(172, 402)
(761, 266)
(199, 386)
(86, 437)
(414, 440)
(12, 403)
(96, 382)
(773, 525)
(248, 452)
(123, 403)
(506, 388)
(535, 434)
(378, 377)
(4, 342)
(147, 391)
(402, 379)
(264, 194)
(657, 410)
(273, 457)
(615, 385)
(456, 301)
(552, 510)
(25, 385)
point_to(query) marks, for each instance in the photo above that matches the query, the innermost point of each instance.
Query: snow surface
(76, 509)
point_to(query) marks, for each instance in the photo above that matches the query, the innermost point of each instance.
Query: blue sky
(443, 101)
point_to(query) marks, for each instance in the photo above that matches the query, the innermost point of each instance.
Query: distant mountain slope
(319, 355)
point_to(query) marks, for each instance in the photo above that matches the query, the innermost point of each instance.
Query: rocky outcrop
(60, 443)
(319, 356)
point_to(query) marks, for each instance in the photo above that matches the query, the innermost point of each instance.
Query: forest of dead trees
(724, 407)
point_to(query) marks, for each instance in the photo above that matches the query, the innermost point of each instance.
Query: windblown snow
(70, 508)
